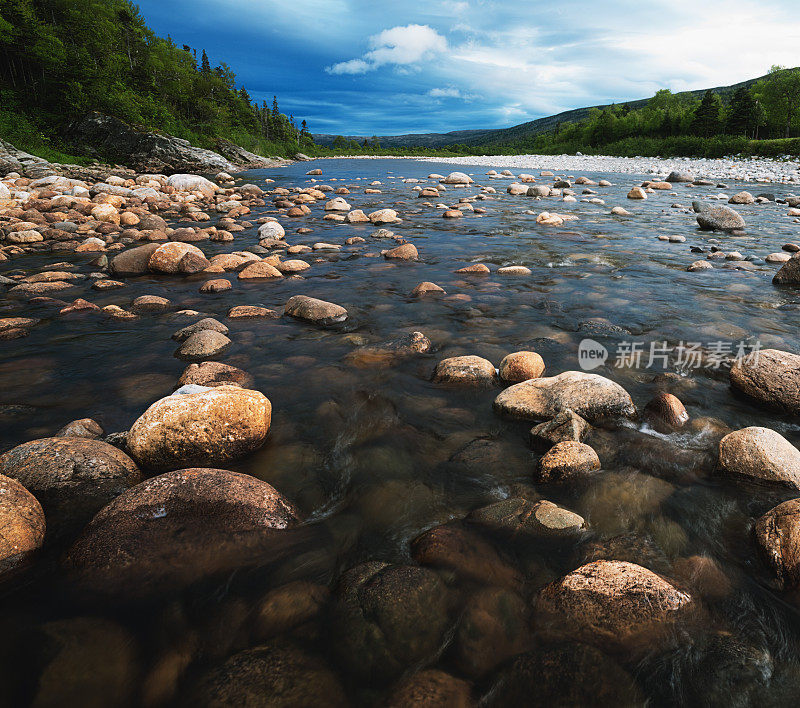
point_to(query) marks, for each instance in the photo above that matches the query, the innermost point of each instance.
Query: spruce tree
(707, 121)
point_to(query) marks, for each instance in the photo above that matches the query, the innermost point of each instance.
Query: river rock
(566, 426)
(311, 309)
(84, 661)
(134, 261)
(82, 428)
(492, 629)
(789, 274)
(591, 396)
(520, 519)
(760, 453)
(22, 526)
(204, 344)
(207, 323)
(406, 252)
(680, 176)
(466, 554)
(426, 288)
(778, 536)
(430, 688)
(275, 674)
(177, 528)
(203, 428)
(665, 413)
(565, 675)
(715, 217)
(567, 461)
(386, 618)
(521, 366)
(611, 604)
(214, 373)
(177, 257)
(457, 178)
(72, 478)
(742, 198)
(772, 378)
(469, 370)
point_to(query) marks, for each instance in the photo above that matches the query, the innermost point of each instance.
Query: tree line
(63, 58)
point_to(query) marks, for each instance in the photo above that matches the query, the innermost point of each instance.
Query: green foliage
(62, 58)
(780, 95)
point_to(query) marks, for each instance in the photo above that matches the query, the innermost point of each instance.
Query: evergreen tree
(741, 114)
(205, 65)
(707, 118)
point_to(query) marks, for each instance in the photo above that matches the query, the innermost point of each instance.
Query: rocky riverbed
(754, 169)
(379, 433)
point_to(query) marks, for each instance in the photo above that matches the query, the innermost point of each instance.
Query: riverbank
(744, 169)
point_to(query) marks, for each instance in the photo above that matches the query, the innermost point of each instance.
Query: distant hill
(523, 130)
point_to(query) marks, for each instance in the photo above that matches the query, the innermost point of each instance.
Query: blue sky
(363, 68)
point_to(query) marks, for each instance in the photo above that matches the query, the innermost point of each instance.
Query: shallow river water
(369, 452)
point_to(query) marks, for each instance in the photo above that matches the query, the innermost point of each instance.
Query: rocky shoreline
(472, 606)
(753, 169)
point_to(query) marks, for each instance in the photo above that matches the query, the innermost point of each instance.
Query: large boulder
(71, 477)
(244, 159)
(778, 537)
(715, 217)
(386, 618)
(760, 453)
(22, 525)
(772, 378)
(193, 183)
(208, 427)
(610, 604)
(275, 675)
(591, 396)
(134, 261)
(143, 150)
(177, 528)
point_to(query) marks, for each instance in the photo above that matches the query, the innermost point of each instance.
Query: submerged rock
(313, 310)
(430, 688)
(566, 674)
(386, 618)
(665, 413)
(208, 427)
(177, 528)
(278, 674)
(518, 518)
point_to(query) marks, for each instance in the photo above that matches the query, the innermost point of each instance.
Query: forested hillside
(63, 58)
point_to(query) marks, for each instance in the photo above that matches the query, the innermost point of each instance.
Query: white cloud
(354, 66)
(398, 46)
(445, 93)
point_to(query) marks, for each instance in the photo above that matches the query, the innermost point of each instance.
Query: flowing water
(364, 450)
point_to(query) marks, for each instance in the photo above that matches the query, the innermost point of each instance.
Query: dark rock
(177, 528)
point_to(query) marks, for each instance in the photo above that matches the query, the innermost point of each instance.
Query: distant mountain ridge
(499, 135)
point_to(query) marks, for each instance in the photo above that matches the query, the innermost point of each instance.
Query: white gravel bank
(745, 169)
